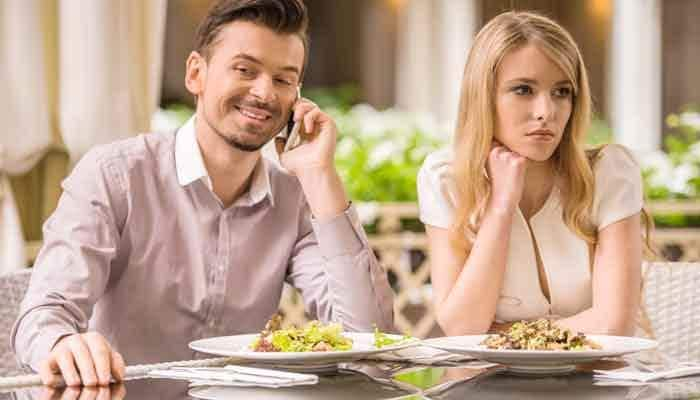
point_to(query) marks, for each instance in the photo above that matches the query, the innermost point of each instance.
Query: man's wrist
(315, 173)
(324, 192)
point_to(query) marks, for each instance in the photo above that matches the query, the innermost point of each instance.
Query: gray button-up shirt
(141, 250)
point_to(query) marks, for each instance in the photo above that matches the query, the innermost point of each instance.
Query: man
(162, 239)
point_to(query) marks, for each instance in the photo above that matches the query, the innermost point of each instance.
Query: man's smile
(254, 113)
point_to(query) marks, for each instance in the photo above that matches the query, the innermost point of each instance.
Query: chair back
(671, 308)
(13, 286)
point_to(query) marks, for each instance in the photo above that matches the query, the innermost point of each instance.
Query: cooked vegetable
(541, 334)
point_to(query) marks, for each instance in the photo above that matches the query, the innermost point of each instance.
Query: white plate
(541, 361)
(239, 346)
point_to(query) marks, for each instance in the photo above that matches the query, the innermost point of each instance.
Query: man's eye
(283, 82)
(244, 71)
(522, 90)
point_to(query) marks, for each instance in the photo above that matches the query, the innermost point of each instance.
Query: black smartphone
(290, 123)
(288, 138)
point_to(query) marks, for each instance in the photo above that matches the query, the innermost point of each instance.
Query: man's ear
(195, 73)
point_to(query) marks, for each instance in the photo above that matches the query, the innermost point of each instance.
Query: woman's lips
(544, 135)
(541, 137)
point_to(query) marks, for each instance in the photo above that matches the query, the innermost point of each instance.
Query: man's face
(247, 88)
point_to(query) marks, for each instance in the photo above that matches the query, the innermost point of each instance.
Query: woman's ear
(195, 73)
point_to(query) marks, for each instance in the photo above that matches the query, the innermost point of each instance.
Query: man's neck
(229, 169)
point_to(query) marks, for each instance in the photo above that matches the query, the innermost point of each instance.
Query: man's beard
(232, 140)
(236, 144)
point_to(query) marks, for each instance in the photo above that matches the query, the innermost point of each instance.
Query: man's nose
(263, 89)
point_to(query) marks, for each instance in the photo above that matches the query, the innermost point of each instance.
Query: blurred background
(78, 73)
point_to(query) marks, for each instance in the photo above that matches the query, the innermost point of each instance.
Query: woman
(522, 222)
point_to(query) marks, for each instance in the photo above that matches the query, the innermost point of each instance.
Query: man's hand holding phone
(309, 154)
(311, 142)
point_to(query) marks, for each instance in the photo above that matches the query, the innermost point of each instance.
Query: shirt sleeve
(71, 271)
(435, 188)
(339, 278)
(618, 186)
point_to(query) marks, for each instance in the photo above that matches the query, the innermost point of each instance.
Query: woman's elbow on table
(462, 324)
(614, 323)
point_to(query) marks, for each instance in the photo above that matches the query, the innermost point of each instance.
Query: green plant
(341, 98)
(599, 132)
(170, 117)
(675, 174)
(379, 153)
(684, 135)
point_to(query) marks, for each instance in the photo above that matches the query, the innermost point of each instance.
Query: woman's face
(533, 103)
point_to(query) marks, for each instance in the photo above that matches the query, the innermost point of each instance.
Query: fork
(381, 373)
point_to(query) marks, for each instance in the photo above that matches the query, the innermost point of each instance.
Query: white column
(635, 74)
(457, 25)
(417, 65)
(434, 37)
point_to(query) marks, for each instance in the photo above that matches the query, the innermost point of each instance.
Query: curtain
(25, 135)
(83, 72)
(110, 69)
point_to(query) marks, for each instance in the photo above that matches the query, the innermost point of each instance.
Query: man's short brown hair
(281, 16)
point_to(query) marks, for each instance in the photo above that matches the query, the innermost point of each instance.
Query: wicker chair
(671, 308)
(12, 288)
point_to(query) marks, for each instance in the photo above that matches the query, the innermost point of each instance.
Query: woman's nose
(544, 108)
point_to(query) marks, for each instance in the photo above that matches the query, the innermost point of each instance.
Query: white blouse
(565, 256)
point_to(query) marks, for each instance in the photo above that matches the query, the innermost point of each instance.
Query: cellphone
(283, 136)
(290, 124)
(289, 138)
(294, 139)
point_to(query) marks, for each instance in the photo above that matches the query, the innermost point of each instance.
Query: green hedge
(380, 152)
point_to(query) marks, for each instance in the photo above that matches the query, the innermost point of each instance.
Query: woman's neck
(539, 182)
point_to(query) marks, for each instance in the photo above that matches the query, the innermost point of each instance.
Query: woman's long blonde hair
(475, 124)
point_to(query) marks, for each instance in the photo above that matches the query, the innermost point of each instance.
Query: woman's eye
(522, 90)
(562, 92)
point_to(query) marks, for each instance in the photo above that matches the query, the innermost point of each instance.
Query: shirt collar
(260, 186)
(188, 157)
(190, 167)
